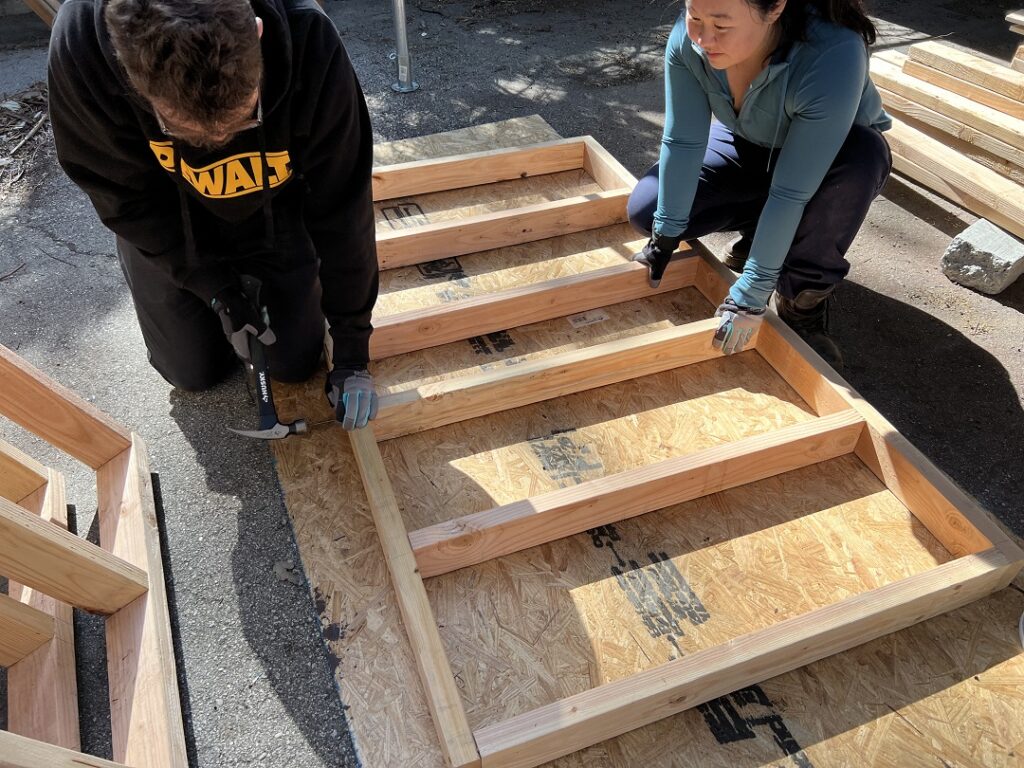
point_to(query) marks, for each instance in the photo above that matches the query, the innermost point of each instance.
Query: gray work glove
(656, 255)
(352, 394)
(736, 326)
(240, 319)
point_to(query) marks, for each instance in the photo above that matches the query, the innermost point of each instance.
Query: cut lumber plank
(1017, 62)
(145, 708)
(45, 557)
(968, 90)
(467, 397)
(609, 710)
(513, 527)
(1017, 29)
(42, 690)
(21, 752)
(453, 729)
(20, 474)
(474, 168)
(433, 326)
(23, 629)
(950, 515)
(887, 72)
(498, 229)
(1015, 17)
(974, 69)
(604, 168)
(56, 414)
(992, 153)
(1001, 201)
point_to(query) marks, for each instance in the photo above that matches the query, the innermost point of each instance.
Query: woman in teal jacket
(792, 161)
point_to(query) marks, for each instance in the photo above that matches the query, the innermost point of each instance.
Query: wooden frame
(986, 559)
(52, 570)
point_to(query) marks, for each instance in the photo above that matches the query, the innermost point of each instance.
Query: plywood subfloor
(560, 618)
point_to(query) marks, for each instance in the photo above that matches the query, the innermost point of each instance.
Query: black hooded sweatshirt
(298, 187)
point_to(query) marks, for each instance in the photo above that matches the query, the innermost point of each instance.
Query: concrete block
(984, 257)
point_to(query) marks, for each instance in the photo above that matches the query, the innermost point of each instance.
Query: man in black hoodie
(221, 139)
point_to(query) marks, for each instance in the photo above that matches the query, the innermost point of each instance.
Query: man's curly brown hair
(200, 57)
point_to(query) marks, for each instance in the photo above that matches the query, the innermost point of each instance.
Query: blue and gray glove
(240, 318)
(656, 255)
(352, 394)
(736, 327)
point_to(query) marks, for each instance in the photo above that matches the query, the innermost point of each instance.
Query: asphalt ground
(943, 363)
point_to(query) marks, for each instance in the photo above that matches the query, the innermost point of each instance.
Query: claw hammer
(270, 426)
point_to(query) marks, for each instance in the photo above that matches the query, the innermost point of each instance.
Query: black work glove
(352, 394)
(656, 255)
(240, 319)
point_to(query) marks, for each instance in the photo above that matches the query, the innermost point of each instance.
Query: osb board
(946, 690)
(477, 274)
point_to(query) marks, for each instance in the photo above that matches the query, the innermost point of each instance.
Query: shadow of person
(274, 606)
(947, 395)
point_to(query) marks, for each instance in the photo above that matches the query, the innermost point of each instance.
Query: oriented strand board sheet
(557, 619)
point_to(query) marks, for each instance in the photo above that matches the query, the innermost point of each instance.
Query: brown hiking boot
(807, 314)
(737, 252)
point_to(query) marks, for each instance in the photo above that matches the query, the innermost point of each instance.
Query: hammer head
(276, 432)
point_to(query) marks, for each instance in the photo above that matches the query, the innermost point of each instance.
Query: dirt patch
(24, 134)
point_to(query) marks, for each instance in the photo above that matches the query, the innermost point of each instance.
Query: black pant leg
(834, 215)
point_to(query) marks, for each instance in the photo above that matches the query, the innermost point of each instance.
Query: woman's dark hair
(845, 13)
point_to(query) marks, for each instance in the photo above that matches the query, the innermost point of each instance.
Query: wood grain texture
(980, 147)
(418, 329)
(46, 557)
(474, 539)
(428, 242)
(1001, 201)
(56, 414)
(453, 731)
(612, 709)
(20, 474)
(21, 752)
(42, 689)
(990, 75)
(887, 72)
(449, 401)
(420, 177)
(145, 708)
(1005, 104)
(23, 629)
(604, 168)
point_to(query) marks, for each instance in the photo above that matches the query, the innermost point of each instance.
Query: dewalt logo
(231, 177)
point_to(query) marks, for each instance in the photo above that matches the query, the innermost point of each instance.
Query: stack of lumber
(958, 127)
(1016, 21)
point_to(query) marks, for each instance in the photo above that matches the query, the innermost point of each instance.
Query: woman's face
(731, 31)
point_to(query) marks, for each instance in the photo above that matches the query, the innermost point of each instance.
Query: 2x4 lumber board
(497, 229)
(1004, 104)
(20, 474)
(996, 194)
(615, 708)
(887, 72)
(421, 177)
(987, 74)
(21, 752)
(42, 690)
(23, 629)
(522, 524)
(453, 731)
(604, 168)
(949, 514)
(1015, 17)
(941, 186)
(145, 707)
(1017, 62)
(994, 154)
(56, 414)
(43, 556)
(453, 400)
(422, 328)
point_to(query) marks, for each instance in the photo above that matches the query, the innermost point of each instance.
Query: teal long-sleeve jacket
(803, 104)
